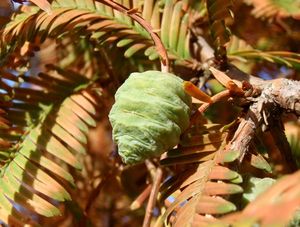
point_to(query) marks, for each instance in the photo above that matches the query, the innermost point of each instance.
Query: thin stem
(95, 193)
(109, 68)
(153, 197)
(284, 147)
(156, 39)
(151, 168)
(218, 97)
(137, 203)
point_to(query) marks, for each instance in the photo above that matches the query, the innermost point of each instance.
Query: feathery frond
(50, 116)
(281, 197)
(46, 112)
(218, 12)
(198, 191)
(269, 9)
(105, 26)
(238, 49)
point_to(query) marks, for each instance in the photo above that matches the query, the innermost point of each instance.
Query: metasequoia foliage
(272, 8)
(196, 156)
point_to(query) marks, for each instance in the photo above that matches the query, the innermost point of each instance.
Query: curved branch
(277, 95)
(156, 39)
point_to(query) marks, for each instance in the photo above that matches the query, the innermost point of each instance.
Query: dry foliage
(61, 62)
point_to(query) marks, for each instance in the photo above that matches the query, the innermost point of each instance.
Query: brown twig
(95, 193)
(283, 146)
(156, 39)
(137, 203)
(109, 68)
(153, 197)
(280, 93)
(151, 168)
(265, 113)
(280, 166)
(243, 137)
(216, 98)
